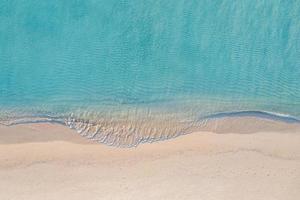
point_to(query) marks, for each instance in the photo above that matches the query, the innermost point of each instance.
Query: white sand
(44, 161)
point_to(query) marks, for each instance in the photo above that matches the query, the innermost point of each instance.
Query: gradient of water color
(130, 71)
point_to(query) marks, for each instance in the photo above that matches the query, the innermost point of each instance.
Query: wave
(32, 119)
(130, 133)
(253, 113)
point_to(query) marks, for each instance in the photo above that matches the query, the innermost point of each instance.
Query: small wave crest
(253, 113)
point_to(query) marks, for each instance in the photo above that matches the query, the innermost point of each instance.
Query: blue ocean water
(129, 71)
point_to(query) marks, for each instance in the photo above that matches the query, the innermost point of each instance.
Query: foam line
(253, 113)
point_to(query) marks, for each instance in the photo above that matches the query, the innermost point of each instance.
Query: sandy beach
(253, 159)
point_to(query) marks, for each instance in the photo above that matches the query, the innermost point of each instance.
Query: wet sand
(251, 159)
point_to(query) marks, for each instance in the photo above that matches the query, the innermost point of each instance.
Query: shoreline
(237, 123)
(258, 114)
(47, 161)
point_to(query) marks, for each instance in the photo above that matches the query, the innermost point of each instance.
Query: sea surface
(123, 72)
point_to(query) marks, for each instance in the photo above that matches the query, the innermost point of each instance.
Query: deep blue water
(154, 66)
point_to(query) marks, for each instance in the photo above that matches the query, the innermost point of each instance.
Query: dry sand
(256, 159)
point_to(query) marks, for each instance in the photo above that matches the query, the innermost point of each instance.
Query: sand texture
(253, 159)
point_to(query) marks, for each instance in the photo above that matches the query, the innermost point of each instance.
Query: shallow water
(123, 72)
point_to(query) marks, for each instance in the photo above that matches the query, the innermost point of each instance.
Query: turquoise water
(124, 72)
